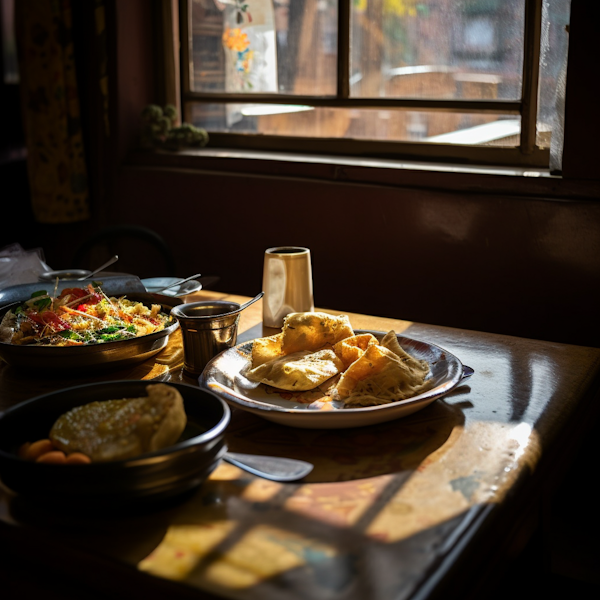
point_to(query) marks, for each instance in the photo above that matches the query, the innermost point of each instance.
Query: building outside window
(380, 77)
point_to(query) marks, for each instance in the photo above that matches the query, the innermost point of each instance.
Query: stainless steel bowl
(95, 356)
(149, 477)
(71, 274)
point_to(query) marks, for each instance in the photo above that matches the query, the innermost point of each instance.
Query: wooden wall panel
(520, 266)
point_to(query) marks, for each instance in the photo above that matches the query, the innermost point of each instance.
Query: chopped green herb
(42, 304)
(111, 338)
(69, 334)
(110, 329)
(40, 293)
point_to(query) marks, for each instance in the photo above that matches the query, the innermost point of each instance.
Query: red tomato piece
(75, 292)
(53, 320)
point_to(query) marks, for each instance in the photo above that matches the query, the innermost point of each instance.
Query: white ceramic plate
(225, 376)
(155, 284)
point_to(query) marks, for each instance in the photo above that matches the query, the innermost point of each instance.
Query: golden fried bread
(352, 348)
(266, 349)
(313, 331)
(299, 371)
(315, 346)
(119, 429)
(381, 376)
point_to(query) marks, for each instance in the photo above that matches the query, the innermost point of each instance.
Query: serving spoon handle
(270, 467)
(114, 259)
(179, 282)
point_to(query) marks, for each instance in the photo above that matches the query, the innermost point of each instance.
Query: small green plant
(159, 130)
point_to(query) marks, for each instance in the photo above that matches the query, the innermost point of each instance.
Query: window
(476, 81)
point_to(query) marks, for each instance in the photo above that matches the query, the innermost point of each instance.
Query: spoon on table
(270, 467)
(114, 259)
(178, 282)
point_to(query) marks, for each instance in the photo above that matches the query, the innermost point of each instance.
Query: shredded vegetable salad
(77, 317)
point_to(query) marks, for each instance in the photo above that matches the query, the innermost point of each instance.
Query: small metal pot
(207, 329)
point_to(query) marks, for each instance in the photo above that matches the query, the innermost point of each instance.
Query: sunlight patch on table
(183, 547)
(191, 552)
(480, 469)
(280, 551)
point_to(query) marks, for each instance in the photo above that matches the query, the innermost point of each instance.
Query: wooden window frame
(526, 155)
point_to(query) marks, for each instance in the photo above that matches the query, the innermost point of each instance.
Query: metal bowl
(71, 274)
(149, 477)
(95, 356)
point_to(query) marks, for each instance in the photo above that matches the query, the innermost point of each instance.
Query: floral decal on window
(237, 41)
(249, 46)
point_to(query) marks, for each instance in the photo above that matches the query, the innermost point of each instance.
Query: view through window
(439, 71)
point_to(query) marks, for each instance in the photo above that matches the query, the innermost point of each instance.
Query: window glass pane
(287, 46)
(366, 124)
(464, 49)
(553, 65)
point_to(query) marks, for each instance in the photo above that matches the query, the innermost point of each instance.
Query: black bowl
(148, 477)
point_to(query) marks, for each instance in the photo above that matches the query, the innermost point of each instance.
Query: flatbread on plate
(299, 371)
(382, 375)
(352, 348)
(313, 331)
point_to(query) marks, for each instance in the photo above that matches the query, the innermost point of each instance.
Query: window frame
(526, 155)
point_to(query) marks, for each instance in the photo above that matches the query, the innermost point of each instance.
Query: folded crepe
(301, 331)
(384, 373)
(313, 331)
(299, 371)
(352, 348)
(266, 349)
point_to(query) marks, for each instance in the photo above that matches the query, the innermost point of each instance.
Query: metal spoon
(114, 259)
(270, 467)
(178, 282)
(243, 306)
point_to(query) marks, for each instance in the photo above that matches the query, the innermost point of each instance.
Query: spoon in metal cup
(114, 259)
(245, 305)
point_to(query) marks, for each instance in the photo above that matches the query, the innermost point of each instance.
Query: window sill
(383, 172)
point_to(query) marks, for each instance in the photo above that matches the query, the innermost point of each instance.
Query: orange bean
(38, 448)
(56, 457)
(78, 458)
(23, 448)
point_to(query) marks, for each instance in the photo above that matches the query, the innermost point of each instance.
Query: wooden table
(412, 508)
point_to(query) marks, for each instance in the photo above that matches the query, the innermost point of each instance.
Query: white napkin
(18, 265)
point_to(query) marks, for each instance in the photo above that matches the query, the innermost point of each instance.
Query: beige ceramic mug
(287, 283)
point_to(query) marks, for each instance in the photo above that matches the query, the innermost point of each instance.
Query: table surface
(394, 510)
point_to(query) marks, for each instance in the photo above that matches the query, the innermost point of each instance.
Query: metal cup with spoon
(208, 328)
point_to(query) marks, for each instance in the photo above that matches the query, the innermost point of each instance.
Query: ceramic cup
(287, 283)
(207, 328)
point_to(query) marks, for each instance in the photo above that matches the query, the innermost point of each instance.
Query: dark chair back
(141, 251)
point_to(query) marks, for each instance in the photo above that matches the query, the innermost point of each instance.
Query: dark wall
(506, 264)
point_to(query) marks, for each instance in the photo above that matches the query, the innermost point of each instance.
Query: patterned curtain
(50, 107)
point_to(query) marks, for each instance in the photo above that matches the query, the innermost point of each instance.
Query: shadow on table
(398, 446)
